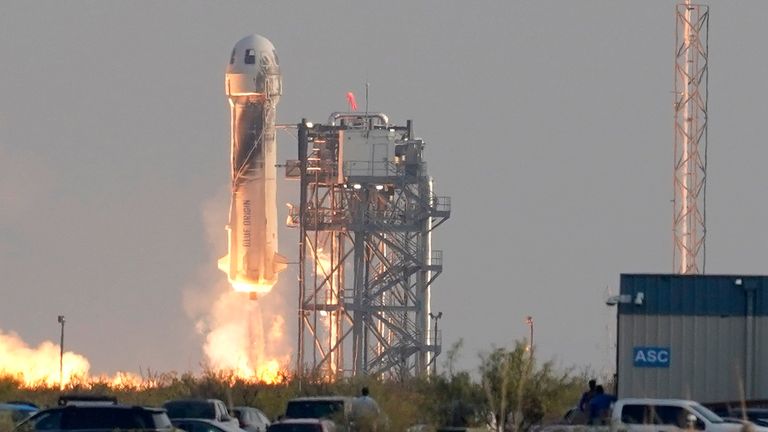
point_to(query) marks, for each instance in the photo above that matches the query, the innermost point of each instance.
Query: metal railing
(437, 258)
(441, 203)
(383, 168)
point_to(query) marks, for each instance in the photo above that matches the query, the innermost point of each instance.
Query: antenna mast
(691, 77)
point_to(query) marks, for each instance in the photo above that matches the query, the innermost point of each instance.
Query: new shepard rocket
(253, 86)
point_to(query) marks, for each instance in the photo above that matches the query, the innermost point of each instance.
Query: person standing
(365, 412)
(587, 396)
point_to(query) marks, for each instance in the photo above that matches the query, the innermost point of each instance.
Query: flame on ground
(127, 380)
(40, 365)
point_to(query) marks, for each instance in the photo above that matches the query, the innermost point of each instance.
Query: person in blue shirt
(600, 405)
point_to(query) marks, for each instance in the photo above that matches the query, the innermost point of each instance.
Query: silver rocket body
(253, 85)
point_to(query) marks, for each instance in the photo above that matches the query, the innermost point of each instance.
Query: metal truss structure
(691, 77)
(366, 215)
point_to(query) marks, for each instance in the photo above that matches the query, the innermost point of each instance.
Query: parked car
(251, 419)
(14, 412)
(421, 427)
(203, 425)
(336, 408)
(97, 418)
(737, 421)
(758, 416)
(21, 402)
(667, 414)
(209, 409)
(86, 399)
(303, 425)
(657, 415)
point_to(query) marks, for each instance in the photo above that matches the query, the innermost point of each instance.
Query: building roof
(696, 295)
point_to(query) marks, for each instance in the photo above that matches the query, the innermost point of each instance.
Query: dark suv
(338, 409)
(97, 418)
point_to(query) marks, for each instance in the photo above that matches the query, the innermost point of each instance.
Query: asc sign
(651, 357)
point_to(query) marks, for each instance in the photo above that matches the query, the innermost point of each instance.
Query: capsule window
(250, 56)
(232, 57)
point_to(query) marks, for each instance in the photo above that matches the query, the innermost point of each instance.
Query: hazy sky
(549, 123)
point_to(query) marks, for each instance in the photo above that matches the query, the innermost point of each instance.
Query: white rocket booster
(253, 85)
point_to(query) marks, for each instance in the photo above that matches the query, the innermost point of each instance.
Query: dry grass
(454, 400)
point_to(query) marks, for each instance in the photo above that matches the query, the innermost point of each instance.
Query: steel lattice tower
(691, 57)
(366, 215)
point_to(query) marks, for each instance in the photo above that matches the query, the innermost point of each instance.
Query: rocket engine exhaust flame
(240, 344)
(253, 86)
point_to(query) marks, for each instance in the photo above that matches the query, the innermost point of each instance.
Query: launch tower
(366, 215)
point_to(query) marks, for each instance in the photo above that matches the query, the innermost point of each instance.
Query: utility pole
(434, 341)
(61, 353)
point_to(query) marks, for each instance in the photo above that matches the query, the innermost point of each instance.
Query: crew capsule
(253, 69)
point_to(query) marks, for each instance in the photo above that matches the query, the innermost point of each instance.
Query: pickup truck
(656, 415)
(209, 409)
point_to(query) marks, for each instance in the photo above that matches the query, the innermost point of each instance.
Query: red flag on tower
(351, 101)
